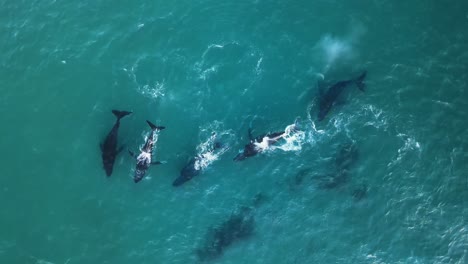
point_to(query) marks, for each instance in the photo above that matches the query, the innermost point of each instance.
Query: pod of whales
(256, 145)
(109, 146)
(240, 224)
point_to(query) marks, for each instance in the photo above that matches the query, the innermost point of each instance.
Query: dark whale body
(187, 173)
(109, 146)
(328, 99)
(192, 169)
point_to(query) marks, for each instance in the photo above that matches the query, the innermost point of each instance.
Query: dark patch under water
(238, 226)
(340, 172)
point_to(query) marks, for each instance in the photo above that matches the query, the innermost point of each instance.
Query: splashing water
(293, 137)
(155, 139)
(294, 141)
(207, 152)
(205, 160)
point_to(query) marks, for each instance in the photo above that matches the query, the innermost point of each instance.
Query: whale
(145, 159)
(345, 159)
(360, 192)
(258, 144)
(330, 96)
(239, 226)
(188, 172)
(263, 142)
(193, 167)
(109, 149)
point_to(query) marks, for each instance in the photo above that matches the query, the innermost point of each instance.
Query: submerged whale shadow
(239, 226)
(340, 172)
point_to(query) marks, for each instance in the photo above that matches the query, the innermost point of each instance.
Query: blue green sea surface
(203, 66)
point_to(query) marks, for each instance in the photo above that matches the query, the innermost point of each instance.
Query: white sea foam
(410, 145)
(293, 138)
(204, 70)
(207, 72)
(294, 141)
(206, 152)
(153, 91)
(258, 69)
(377, 117)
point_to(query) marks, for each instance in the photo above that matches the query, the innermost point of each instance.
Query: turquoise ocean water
(199, 67)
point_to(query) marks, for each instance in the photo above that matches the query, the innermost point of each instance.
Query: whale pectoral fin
(131, 153)
(156, 163)
(250, 134)
(360, 81)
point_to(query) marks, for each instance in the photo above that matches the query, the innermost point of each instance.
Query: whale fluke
(360, 81)
(155, 127)
(120, 114)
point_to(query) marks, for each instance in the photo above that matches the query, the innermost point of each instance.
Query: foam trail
(293, 137)
(206, 154)
(293, 142)
(152, 90)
